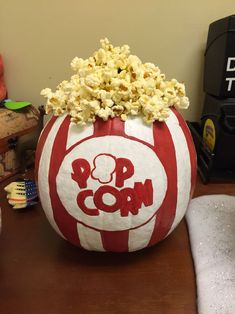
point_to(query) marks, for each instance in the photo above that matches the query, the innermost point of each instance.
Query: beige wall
(38, 39)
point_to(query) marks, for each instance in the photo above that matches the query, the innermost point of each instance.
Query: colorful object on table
(21, 194)
(16, 105)
(114, 185)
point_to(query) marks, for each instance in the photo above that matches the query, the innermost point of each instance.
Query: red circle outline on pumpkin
(101, 128)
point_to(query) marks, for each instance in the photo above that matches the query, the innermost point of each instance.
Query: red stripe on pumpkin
(191, 148)
(165, 151)
(113, 126)
(41, 143)
(66, 223)
(116, 241)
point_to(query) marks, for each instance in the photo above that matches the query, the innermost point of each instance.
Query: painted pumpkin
(114, 185)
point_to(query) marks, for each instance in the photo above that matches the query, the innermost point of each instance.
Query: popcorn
(105, 113)
(114, 83)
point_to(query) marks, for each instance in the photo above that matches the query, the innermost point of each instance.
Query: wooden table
(42, 273)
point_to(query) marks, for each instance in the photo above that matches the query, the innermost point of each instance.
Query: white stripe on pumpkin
(139, 238)
(43, 172)
(183, 168)
(135, 126)
(90, 239)
(77, 133)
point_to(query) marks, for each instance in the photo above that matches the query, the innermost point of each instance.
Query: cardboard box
(14, 124)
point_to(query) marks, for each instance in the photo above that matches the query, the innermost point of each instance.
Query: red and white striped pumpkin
(114, 185)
